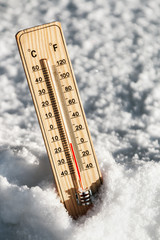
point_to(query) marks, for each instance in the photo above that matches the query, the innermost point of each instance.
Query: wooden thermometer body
(61, 116)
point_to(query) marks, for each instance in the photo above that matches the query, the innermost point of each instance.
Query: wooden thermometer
(61, 116)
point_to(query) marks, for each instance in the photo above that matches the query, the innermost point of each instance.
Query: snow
(114, 48)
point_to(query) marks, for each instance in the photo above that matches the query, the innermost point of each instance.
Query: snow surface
(115, 49)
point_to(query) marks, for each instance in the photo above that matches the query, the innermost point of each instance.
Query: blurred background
(114, 48)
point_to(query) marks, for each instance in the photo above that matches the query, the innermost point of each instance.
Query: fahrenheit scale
(61, 116)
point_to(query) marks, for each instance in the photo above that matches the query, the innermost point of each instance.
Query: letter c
(33, 53)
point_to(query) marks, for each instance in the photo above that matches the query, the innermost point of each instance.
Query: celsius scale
(60, 114)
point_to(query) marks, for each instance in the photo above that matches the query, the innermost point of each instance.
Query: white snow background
(115, 51)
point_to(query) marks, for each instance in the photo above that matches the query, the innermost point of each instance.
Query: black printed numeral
(35, 68)
(82, 140)
(78, 127)
(85, 153)
(71, 101)
(38, 80)
(48, 115)
(64, 75)
(55, 138)
(75, 114)
(61, 62)
(64, 173)
(42, 91)
(45, 103)
(89, 165)
(68, 88)
(58, 150)
(51, 127)
(61, 161)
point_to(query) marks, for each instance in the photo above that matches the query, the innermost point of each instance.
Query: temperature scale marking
(60, 114)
